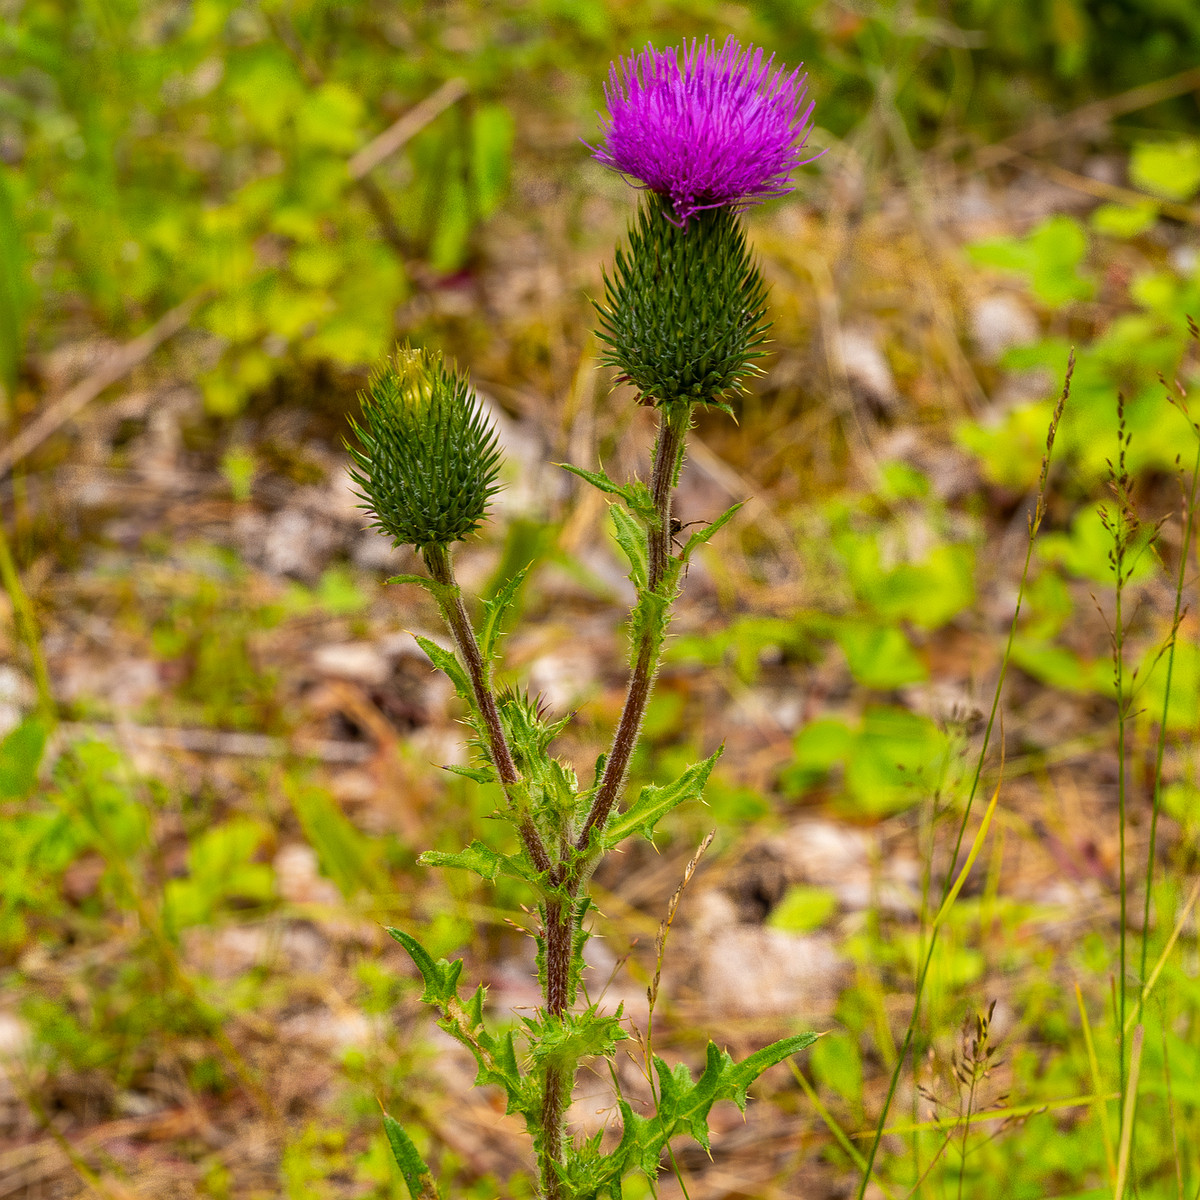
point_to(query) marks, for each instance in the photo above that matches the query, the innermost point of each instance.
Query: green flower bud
(429, 459)
(683, 313)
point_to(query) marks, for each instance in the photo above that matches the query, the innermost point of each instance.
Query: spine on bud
(428, 461)
(684, 311)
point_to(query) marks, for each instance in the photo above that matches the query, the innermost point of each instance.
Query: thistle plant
(704, 133)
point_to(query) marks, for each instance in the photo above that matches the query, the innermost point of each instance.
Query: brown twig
(1054, 129)
(56, 414)
(1106, 191)
(232, 743)
(402, 131)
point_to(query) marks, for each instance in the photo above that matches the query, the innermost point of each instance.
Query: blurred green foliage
(981, 65)
(150, 151)
(162, 151)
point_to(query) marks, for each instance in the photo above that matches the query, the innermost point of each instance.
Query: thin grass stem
(1161, 744)
(27, 628)
(1035, 521)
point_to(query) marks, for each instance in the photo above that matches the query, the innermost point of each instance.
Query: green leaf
(879, 656)
(482, 860)
(684, 1104)
(701, 536)
(221, 870)
(492, 130)
(349, 858)
(14, 291)
(1124, 220)
(631, 537)
(494, 610)
(441, 977)
(478, 774)
(417, 1175)
(1050, 257)
(654, 802)
(447, 661)
(802, 909)
(564, 1041)
(1167, 169)
(420, 580)
(20, 756)
(598, 479)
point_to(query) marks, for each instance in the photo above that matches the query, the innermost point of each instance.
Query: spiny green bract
(429, 459)
(683, 312)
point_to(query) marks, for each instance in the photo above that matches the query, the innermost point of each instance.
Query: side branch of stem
(667, 454)
(438, 561)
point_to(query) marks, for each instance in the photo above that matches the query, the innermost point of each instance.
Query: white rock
(362, 662)
(298, 877)
(754, 971)
(1000, 322)
(867, 371)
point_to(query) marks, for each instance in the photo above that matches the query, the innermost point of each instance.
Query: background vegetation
(216, 770)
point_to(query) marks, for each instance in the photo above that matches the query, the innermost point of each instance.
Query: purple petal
(726, 128)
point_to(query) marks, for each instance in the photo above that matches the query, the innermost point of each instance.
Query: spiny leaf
(631, 537)
(445, 661)
(654, 802)
(478, 774)
(441, 977)
(702, 535)
(494, 610)
(684, 1104)
(417, 1175)
(420, 580)
(598, 479)
(483, 861)
(564, 1041)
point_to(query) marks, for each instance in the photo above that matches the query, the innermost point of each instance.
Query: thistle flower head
(428, 461)
(724, 129)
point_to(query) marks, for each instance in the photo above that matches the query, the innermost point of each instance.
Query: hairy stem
(450, 601)
(667, 455)
(556, 1085)
(554, 1108)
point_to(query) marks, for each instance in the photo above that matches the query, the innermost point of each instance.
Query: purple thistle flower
(727, 129)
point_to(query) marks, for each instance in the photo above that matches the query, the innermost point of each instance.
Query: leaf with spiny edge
(565, 1041)
(446, 661)
(483, 861)
(494, 610)
(477, 774)
(684, 1103)
(495, 1057)
(441, 977)
(654, 802)
(420, 580)
(702, 535)
(417, 1176)
(631, 537)
(598, 479)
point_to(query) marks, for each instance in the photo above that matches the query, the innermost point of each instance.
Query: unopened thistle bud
(429, 459)
(684, 310)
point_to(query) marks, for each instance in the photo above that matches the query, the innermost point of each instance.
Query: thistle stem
(449, 599)
(556, 1085)
(667, 455)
